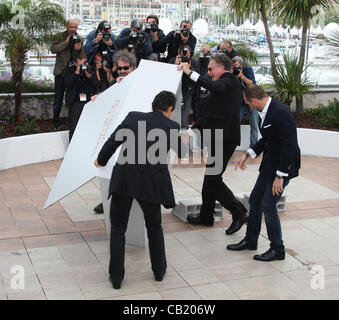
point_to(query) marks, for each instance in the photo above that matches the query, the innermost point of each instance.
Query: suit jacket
(279, 141)
(221, 108)
(143, 180)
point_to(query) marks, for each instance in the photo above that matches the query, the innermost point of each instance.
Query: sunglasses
(123, 68)
(210, 69)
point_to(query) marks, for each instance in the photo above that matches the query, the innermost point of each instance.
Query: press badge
(83, 97)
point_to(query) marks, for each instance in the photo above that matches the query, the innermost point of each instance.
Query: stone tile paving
(64, 250)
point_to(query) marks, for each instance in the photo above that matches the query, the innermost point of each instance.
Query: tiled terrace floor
(65, 251)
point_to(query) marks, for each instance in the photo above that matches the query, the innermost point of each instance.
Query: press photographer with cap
(136, 40)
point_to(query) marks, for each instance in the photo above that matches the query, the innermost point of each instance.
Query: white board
(100, 118)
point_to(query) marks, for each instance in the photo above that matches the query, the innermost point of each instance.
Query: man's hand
(184, 39)
(177, 60)
(185, 66)
(119, 79)
(108, 42)
(241, 162)
(277, 186)
(93, 99)
(96, 163)
(88, 75)
(98, 37)
(185, 137)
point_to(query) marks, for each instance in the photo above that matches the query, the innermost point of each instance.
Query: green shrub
(26, 125)
(28, 86)
(327, 115)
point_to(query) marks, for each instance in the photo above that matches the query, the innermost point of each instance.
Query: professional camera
(151, 27)
(185, 32)
(204, 57)
(105, 63)
(140, 36)
(225, 52)
(236, 70)
(74, 39)
(133, 37)
(106, 34)
(162, 57)
(184, 57)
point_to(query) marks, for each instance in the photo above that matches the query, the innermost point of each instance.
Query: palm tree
(32, 28)
(244, 9)
(300, 13)
(291, 86)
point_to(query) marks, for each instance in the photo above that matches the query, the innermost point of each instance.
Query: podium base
(136, 234)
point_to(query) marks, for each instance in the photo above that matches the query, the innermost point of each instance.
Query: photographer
(67, 46)
(80, 87)
(187, 85)
(100, 40)
(136, 40)
(200, 93)
(99, 69)
(246, 76)
(152, 27)
(226, 47)
(177, 38)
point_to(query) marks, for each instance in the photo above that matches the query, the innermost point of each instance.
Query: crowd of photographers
(85, 68)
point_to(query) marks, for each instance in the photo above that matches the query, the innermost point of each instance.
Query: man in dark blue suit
(280, 163)
(144, 177)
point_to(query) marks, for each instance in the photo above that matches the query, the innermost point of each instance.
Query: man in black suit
(280, 163)
(220, 110)
(145, 179)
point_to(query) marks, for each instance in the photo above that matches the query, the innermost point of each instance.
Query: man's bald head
(72, 26)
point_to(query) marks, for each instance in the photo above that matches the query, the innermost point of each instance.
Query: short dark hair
(222, 59)
(163, 100)
(102, 24)
(183, 46)
(153, 16)
(81, 55)
(254, 91)
(185, 21)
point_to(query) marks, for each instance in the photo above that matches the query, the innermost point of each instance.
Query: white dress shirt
(262, 115)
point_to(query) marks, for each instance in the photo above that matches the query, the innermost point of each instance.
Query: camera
(236, 70)
(162, 57)
(105, 63)
(184, 57)
(151, 27)
(225, 52)
(185, 32)
(204, 57)
(74, 39)
(140, 36)
(106, 34)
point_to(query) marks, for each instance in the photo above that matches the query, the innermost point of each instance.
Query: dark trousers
(120, 209)
(59, 83)
(74, 113)
(263, 200)
(214, 189)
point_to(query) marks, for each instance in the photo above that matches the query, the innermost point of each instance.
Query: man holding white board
(141, 173)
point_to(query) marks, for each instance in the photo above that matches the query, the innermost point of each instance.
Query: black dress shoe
(99, 209)
(270, 255)
(159, 277)
(198, 221)
(242, 245)
(236, 225)
(115, 284)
